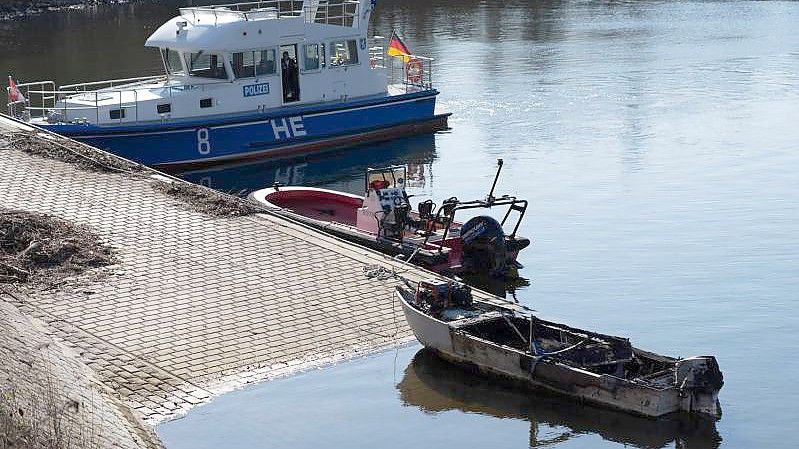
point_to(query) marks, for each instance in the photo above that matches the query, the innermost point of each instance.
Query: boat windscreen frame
(168, 69)
(396, 183)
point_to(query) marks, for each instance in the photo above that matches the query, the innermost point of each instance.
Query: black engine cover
(484, 249)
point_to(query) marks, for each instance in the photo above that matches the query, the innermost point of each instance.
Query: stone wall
(50, 399)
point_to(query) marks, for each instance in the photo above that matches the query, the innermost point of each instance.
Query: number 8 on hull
(246, 81)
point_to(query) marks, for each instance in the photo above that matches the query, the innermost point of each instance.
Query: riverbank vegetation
(15, 9)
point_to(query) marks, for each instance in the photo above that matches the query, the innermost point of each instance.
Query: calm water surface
(658, 144)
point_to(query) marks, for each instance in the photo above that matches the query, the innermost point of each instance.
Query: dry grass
(45, 419)
(67, 151)
(205, 200)
(36, 248)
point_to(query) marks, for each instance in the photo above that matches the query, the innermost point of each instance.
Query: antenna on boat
(490, 197)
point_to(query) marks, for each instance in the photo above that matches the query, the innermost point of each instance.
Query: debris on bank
(194, 197)
(66, 150)
(207, 201)
(38, 248)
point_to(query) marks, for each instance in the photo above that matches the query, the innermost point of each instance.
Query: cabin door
(290, 73)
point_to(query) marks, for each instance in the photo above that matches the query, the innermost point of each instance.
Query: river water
(657, 142)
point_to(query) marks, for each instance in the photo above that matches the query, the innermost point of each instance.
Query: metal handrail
(397, 70)
(48, 98)
(247, 10)
(112, 82)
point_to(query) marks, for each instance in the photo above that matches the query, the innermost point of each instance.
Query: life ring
(414, 70)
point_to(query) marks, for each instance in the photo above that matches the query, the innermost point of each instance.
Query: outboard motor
(484, 250)
(699, 380)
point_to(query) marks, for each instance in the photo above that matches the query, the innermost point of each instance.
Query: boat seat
(427, 209)
(396, 228)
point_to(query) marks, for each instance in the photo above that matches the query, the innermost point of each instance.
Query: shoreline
(25, 8)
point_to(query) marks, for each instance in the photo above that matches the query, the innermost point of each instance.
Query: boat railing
(414, 74)
(344, 13)
(377, 57)
(43, 100)
(47, 97)
(100, 85)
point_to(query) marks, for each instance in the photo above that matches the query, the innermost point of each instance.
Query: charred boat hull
(494, 343)
(434, 385)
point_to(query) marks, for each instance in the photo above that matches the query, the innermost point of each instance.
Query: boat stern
(699, 380)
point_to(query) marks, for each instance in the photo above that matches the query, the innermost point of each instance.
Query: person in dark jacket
(290, 75)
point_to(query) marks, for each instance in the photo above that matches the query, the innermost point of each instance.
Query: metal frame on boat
(452, 205)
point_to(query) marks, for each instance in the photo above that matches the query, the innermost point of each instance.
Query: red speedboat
(383, 219)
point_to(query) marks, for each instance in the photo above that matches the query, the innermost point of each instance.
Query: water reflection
(435, 386)
(339, 170)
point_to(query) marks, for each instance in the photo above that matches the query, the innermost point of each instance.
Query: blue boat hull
(271, 134)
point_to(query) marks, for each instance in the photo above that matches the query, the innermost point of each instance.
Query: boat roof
(255, 24)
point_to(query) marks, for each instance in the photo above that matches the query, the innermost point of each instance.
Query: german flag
(397, 49)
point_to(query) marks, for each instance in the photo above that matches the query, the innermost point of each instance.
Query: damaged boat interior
(586, 350)
(597, 353)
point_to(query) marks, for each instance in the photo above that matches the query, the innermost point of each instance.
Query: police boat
(247, 81)
(383, 219)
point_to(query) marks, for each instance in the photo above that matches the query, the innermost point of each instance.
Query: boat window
(206, 102)
(172, 61)
(164, 108)
(249, 64)
(206, 65)
(265, 62)
(116, 114)
(311, 56)
(343, 52)
(243, 64)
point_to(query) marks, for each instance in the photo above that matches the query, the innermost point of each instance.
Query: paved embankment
(49, 398)
(198, 303)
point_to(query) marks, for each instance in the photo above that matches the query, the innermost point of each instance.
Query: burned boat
(383, 220)
(591, 367)
(435, 386)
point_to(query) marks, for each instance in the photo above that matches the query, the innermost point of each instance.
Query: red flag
(13, 91)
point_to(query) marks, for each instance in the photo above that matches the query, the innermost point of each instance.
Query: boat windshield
(386, 178)
(172, 62)
(206, 65)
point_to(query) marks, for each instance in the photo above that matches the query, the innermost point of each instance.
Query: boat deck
(319, 205)
(199, 303)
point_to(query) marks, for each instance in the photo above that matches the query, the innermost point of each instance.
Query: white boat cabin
(238, 59)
